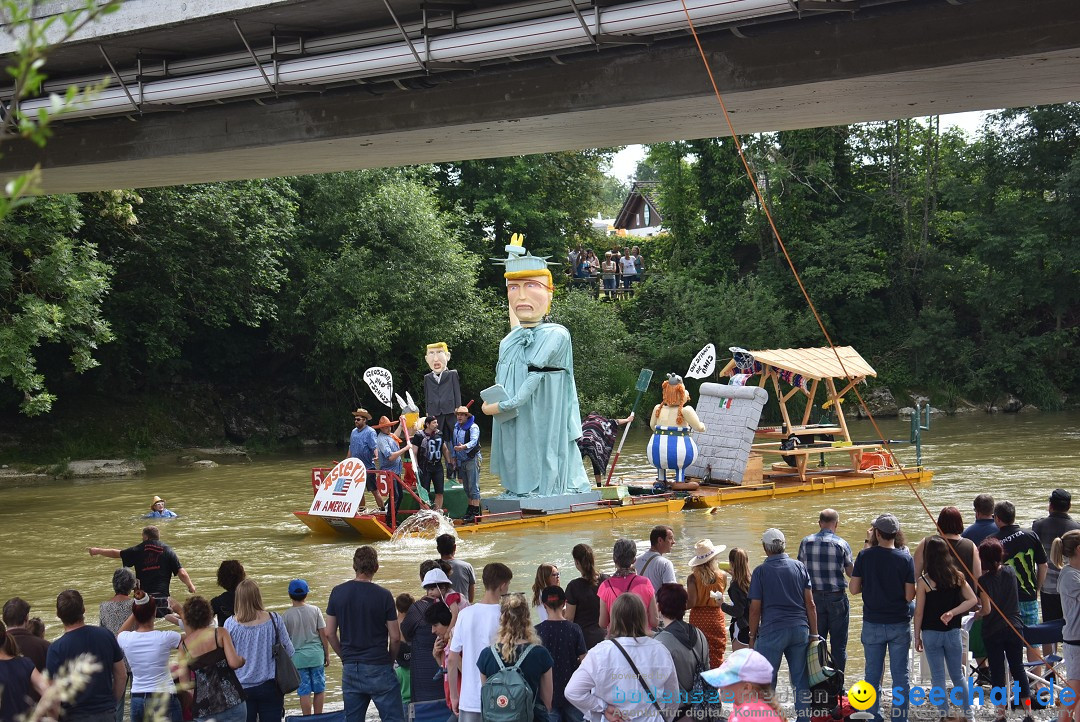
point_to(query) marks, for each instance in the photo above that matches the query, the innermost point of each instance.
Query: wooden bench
(802, 453)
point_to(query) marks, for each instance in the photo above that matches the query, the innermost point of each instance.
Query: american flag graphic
(341, 488)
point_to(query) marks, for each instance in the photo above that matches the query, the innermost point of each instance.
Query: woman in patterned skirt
(705, 588)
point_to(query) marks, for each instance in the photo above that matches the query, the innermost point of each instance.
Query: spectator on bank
(738, 610)
(403, 662)
(1065, 553)
(626, 580)
(1024, 552)
(782, 615)
(566, 643)
(1049, 528)
(147, 651)
(362, 628)
(828, 561)
(639, 262)
(744, 679)
(20, 682)
(609, 270)
(951, 525)
(16, 617)
(307, 630)
(254, 632)
(212, 657)
(97, 700)
(230, 573)
(155, 565)
(628, 269)
(516, 642)
(582, 601)
(1002, 620)
(419, 633)
(885, 577)
(653, 565)
(474, 632)
(603, 687)
(705, 588)
(942, 597)
(463, 578)
(547, 575)
(984, 525)
(687, 644)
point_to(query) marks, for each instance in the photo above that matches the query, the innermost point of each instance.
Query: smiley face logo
(862, 695)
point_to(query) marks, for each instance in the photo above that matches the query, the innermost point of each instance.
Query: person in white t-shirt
(652, 564)
(147, 651)
(475, 629)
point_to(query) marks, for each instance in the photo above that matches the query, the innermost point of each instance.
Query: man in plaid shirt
(827, 558)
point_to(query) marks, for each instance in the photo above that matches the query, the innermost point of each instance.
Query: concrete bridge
(781, 64)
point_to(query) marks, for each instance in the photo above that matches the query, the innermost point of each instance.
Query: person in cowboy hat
(158, 510)
(362, 443)
(388, 453)
(705, 589)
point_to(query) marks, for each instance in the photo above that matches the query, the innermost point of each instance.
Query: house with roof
(640, 214)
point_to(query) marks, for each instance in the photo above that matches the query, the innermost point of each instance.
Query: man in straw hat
(536, 452)
(362, 443)
(388, 453)
(158, 510)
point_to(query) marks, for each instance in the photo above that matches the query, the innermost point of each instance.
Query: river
(242, 511)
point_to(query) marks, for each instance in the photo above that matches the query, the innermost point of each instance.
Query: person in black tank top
(942, 597)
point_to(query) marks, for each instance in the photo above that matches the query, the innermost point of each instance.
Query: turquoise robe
(536, 452)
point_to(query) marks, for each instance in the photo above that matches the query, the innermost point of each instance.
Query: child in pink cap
(745, 680)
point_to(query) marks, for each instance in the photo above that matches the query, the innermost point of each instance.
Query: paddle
(641, 386)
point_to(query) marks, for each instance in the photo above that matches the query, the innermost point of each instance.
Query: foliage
(51, 288)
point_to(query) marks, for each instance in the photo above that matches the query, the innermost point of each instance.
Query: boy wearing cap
(311, 654)
(885, 576)
(566, 642)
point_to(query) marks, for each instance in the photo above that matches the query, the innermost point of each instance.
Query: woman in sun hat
(705, 589)
(745, 680)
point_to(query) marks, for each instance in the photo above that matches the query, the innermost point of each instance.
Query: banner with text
(341, 492)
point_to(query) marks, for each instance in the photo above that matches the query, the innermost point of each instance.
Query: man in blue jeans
(828, 560)
(362, 627)
(885, 576)
(783, 616)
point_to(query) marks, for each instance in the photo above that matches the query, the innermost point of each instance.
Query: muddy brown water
(242, 511)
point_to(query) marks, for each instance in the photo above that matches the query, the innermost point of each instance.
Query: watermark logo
(862, 695)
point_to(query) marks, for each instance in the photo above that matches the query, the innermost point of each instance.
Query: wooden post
(839, 408)
(809, 403)
(780, 398)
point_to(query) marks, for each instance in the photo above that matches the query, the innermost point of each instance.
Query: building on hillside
(603, 226)
(639, 215)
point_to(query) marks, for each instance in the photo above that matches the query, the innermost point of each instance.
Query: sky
(624, 164)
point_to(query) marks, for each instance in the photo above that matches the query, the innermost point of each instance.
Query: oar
(641, 386)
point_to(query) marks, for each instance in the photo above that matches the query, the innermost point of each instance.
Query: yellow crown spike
(517, 239)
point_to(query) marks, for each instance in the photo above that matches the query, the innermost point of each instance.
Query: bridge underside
(903, 60)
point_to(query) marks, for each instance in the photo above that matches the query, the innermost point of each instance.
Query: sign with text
(341, 492)
(703, 364)
(381, 383)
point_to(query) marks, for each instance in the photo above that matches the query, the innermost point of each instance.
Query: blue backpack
(505, 695)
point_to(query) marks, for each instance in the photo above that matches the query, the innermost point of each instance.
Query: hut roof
(815, 363)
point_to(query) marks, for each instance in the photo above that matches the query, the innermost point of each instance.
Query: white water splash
(422, 526)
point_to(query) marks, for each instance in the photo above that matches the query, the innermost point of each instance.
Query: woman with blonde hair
(547, 575)
(254, 632)
(1065, 554)
(739, 594)
(705, 589)
(629, 675)
(516, 643)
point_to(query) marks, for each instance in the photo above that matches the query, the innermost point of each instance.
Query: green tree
(51, 288)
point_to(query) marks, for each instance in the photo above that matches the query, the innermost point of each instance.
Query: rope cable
(828, 338)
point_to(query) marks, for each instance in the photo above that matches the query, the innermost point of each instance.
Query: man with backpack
(474, 632)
